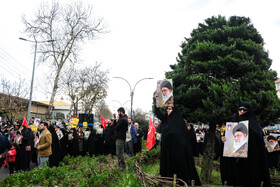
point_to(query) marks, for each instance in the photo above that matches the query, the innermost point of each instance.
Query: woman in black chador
(192, 136)
(176, 151)
(253, 170)
(55, 158)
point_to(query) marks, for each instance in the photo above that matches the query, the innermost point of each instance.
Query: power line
(11, 65)
(24, 67)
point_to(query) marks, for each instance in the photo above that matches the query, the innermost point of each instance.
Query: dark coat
(141, 134)
(55, 157)
(63, 143)
(121, 127)
(253, 170)
(176, 151)
(22, 155)
(109, 135)
(192, 136)
(5, 145)
(91, 141)
(73, 145)
(99, 144)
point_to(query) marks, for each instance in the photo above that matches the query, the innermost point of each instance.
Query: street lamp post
(121, 103)
(132, 91)
(33, 71)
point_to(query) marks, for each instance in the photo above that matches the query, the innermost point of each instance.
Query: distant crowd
(53, 141)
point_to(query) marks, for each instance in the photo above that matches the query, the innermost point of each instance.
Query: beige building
(16, 108)
(58, 107)
(38, 110)
(277, 84)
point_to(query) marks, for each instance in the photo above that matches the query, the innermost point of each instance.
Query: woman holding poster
(253, 170)
(176, 155)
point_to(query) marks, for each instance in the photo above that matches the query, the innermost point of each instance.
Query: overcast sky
(143, 41)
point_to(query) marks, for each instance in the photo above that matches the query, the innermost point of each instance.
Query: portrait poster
(271, 142)
(236, 144)
(70, 136)
(200, 137)
(86, 134)
(99, 131)
(158, 136)
(36, 142)
(69, 127)
(59, 134)
(164, 93)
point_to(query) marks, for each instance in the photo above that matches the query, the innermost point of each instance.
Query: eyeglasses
(244, 109)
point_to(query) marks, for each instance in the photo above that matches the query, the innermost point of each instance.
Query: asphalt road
(4, 172)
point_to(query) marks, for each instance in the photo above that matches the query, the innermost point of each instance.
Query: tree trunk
(76, 104)
(208, 156)
(71, 110)
(55, 86)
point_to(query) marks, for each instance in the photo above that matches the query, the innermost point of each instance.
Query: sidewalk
(5, 171)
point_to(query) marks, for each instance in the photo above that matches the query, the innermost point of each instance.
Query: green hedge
(79, 171)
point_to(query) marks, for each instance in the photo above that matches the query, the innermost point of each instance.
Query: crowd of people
(179, 143)
(20, 146)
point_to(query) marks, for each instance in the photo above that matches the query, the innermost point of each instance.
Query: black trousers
(11, 167)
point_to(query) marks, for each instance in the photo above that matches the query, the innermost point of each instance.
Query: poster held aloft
(70, 136)
(86, 134)
(164, 95)
(271, 142)
(237, 135)
(59, 134)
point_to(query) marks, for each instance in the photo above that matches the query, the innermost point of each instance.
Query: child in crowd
(11, 158)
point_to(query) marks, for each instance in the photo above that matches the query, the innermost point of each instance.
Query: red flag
(25, 123)
(103, 122)
(151, 139)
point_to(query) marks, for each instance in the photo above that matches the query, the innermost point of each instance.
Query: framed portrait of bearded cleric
(271, 142)
(164, 93)
(237, 135)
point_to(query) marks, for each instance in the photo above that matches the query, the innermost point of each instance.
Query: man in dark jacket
(121, 126)
(139, 135)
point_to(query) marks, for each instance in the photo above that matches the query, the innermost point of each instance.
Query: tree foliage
(103, 110)
(140, 118)
(13, 102)
(222, 64)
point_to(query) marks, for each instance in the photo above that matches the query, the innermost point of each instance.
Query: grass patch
(151, 169)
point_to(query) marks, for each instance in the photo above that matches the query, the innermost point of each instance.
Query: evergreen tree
(222, 64)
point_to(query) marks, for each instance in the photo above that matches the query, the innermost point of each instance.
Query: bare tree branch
(69, 25)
